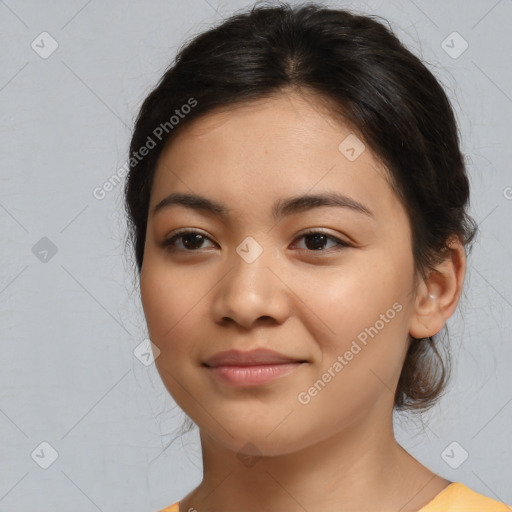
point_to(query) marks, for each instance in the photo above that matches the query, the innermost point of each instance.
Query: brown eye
(316, 240)
(189, 241)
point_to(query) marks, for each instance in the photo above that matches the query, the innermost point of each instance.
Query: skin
(337, 452)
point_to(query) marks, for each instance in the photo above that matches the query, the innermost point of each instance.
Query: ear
(438, 295)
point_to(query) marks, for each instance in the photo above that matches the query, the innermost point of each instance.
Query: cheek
(353, 296)
(170, 300)
(172, 306)
(362, 341)
(359, 312)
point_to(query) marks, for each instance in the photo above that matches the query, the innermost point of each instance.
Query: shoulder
(172, 508)
(457, 497)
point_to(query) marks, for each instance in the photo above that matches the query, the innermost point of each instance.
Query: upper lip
(255, 357)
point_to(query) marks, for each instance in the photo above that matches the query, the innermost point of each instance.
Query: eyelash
(168, 243)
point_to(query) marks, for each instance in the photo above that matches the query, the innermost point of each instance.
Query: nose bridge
(251, 261)
(250, 289)
(251, 276)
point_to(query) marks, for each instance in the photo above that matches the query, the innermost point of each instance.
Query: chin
(262, 441)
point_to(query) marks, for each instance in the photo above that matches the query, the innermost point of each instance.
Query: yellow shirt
(456, 497)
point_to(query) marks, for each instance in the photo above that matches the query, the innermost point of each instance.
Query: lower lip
(253, 375)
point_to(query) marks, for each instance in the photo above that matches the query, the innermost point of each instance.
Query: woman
(297, 202)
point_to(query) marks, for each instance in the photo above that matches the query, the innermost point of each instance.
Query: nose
(250, 293)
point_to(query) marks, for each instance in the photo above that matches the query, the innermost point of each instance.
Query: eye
(190, 241)
(317, 240)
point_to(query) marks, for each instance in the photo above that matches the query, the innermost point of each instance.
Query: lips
(257, 357)
(251, 368)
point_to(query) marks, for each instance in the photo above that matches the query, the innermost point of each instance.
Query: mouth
(256, 357)
(253, 375)
(251, 368)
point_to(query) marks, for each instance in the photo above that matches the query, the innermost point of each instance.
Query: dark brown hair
(371, 82)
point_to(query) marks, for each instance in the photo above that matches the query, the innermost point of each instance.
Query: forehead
(279, 146)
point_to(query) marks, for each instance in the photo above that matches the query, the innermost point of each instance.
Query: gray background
(70, 321)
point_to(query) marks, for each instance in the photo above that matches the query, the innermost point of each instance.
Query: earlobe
(438, 295)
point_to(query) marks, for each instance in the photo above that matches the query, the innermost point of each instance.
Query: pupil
(318, 239)
(186, 238)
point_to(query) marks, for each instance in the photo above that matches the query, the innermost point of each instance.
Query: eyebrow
(281, 208)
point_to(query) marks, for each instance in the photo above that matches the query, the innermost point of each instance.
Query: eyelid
(322, 231)
(181, 231)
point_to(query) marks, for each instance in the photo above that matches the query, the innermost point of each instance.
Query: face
(328, 282)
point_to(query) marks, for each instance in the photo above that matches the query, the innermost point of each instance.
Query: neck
(360, 468)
